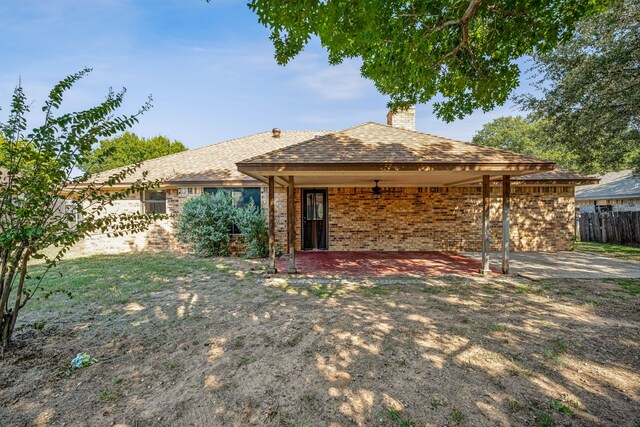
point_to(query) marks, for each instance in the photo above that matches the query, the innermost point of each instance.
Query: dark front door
(314, 219)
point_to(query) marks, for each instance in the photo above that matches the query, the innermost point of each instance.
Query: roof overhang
(390, 174)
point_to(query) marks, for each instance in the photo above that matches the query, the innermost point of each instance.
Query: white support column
(506, 207)
(272, 228)
(486, 205)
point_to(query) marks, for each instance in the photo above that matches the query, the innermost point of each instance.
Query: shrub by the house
(253, 227)
(205, 222)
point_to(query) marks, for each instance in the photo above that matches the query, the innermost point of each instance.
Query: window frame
(163, 202)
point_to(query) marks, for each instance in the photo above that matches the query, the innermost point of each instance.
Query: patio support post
(290, 226)
(272, 227)
(506, 206)
(486, 205)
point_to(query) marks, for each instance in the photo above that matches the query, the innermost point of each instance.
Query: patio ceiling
(388, 178)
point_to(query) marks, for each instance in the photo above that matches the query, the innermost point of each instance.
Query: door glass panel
(320, 206)
(314, 221)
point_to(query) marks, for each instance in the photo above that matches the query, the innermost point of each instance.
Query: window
(604, 208)
(241, 197)
(154, 201)
(72, 212)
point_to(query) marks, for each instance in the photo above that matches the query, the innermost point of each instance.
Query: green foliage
(457, 416)
(110, 280)
(591, 90)
(524, 136)
(396, 418)
(37, 189)
(561, 407)
(204, 223)
(630, 286)
(616, 251)
(463, 51)
(253, 226)
(545, 420)
(128, 149)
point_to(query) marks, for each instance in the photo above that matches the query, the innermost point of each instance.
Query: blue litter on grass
(82, 360)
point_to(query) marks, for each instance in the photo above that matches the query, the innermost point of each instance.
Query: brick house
(369, 187)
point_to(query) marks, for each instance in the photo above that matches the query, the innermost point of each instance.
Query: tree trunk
(9, 315)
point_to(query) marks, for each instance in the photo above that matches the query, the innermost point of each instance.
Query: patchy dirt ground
(229, 347)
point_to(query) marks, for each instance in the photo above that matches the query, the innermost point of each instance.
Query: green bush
(253, 226)
(205, 222)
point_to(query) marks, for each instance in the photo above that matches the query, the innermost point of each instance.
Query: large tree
(591, 90)
(41, 204)
(463, 50)
(525, 136)
(128, 149)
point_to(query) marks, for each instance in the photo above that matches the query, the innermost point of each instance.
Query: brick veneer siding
(439, 218)
(159, 237)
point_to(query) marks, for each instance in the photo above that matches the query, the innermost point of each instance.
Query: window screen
(155, 202)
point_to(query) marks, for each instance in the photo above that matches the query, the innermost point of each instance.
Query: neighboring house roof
(613, 185)
(212, 164)
(373, 143)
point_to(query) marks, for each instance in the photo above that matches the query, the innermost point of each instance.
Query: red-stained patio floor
(380, 264)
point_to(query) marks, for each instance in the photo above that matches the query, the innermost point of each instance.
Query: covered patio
(380, 264)
(330, 177)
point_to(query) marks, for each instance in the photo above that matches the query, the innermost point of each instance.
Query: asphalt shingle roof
(213, 163)
(376, 143)
(366, 143)
(613, 185)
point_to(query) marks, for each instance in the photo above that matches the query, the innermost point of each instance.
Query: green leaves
(37, 190)
(415, 50)
(205, 223)
(525, 136)
(591, 90)
(128, 149)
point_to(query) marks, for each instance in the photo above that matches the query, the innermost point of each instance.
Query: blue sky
(209, 67)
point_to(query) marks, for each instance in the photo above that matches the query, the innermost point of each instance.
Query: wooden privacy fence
(621, 228)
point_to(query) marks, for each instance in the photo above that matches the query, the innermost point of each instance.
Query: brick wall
(159, 236)
(439, 218)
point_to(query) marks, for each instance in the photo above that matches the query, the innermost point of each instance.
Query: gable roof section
(212, 164)
(376, 144)
(613, 185)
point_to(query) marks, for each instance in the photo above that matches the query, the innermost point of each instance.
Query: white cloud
(336, 83)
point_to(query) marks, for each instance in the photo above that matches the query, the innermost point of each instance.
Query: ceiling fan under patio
(376, 191)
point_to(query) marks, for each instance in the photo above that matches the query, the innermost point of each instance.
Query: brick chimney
(405, 119)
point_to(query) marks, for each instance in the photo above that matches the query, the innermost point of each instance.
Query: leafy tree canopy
(525, 136)
(462, 50)
(128, 149)
(591, 90)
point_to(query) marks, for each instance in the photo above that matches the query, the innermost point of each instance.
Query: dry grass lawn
(182, 341)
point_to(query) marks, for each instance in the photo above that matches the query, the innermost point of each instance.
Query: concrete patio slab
(565, 265)
(381, 264)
